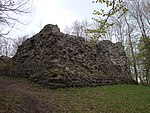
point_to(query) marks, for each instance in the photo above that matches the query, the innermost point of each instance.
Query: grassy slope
(23, 96)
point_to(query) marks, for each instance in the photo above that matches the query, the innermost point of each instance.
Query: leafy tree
(144, 60)
(139, 11)
(115, 6)
(129, 22)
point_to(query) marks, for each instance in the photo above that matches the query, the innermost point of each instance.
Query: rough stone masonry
(56, 59)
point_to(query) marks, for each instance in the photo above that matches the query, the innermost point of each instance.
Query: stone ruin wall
(56, 59)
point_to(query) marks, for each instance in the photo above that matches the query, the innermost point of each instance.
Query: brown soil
(23, 96)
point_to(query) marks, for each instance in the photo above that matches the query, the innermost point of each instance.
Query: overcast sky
(60, 12)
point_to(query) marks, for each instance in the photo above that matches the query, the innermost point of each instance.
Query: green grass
(20, 95)
(112, 99)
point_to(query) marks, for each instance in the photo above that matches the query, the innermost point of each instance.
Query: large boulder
(56, 59)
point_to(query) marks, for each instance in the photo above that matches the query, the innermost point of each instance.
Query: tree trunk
(132, 51)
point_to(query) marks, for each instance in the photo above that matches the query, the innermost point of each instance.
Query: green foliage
(93, 41)
(144, 58)
(115, 6)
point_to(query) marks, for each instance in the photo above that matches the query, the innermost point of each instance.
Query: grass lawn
(23, 96)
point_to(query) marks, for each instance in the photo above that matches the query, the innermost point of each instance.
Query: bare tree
(79, 28)
(130, 31)
(18, 41)
(119, 29)
(140, 12)
(11, 12)
(11, 9)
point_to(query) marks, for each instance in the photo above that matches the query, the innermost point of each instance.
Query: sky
(64, 12)
(60, 12)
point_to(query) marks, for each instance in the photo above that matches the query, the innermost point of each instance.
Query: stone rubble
(56, 59)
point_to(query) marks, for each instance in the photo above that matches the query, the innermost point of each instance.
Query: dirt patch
(21, 96)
